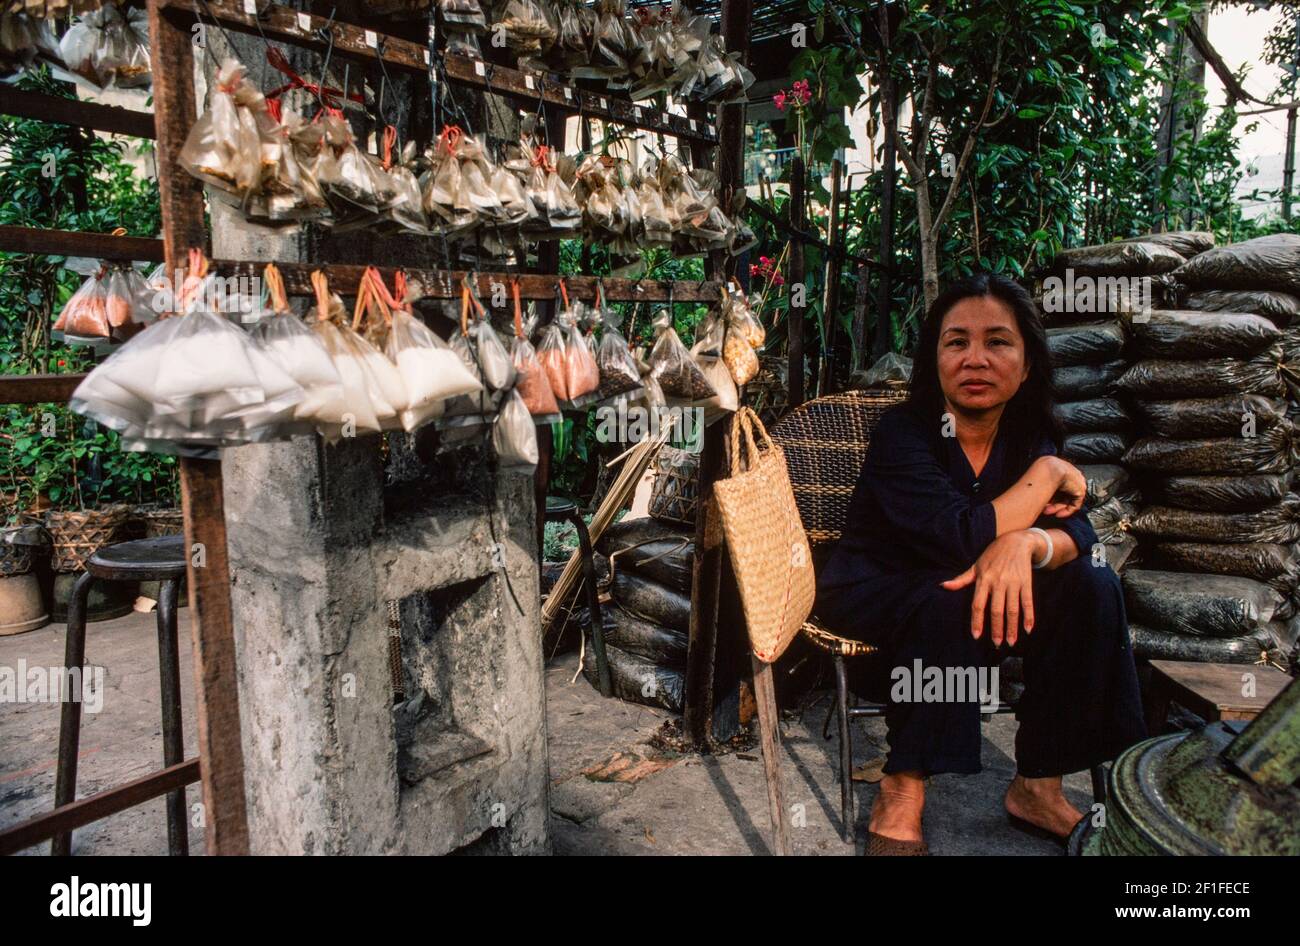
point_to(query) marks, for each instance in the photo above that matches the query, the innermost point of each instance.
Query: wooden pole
(769, 729)
(831, 291)
(221, 753)
(708, 678)
(797, 289)
(884, 339)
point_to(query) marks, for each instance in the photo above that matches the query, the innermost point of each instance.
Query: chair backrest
(825, 444)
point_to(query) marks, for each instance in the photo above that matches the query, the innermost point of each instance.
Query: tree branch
(969, 147)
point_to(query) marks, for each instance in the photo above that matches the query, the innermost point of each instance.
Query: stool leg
(74, 655)
(593, 606)
(169, 677)
(847, 814)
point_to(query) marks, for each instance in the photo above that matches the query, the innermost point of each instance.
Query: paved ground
(690, 805)
(121, 742)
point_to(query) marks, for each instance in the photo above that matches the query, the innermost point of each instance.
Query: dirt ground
(611, 792)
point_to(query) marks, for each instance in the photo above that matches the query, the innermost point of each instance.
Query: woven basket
(825, 443)
(162, 522)
(676, 486)
(78, 535)
(765, 539)
(14, 559)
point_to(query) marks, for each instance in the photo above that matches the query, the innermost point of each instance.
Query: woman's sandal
(1028, 827)
(880, 846)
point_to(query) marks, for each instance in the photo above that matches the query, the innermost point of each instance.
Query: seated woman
(966, 540)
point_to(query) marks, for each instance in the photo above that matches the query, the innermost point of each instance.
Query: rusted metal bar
(95, 807)
(303, 29)
(38, 388)
(71, 243)
(55, 108)
(216, 687)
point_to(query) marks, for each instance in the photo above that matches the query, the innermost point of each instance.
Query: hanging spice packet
(514, 436)
(532, 383)
(672, 365)
(233, 146)
(618, 369)
(109, 47)
(431, 372)
(288, 341)
(581, 374)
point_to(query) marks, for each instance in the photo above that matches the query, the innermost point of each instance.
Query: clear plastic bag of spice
(618, 369)
(533, 383)
(109, 47)
(514, 436)
(229, 143)
(672, 366)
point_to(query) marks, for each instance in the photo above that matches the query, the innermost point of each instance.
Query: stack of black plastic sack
(647, 617)
(1085, 301)
(1216, 464)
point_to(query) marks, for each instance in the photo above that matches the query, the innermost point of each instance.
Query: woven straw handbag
(765, 538)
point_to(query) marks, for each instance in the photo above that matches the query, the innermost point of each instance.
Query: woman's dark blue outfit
(920, 516)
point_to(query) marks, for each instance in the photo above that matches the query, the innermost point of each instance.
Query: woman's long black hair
(1030, 415)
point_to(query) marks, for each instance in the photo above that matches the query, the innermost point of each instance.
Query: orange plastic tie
(519, 318)
(390, 139)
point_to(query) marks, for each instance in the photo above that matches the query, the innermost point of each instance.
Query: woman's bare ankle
(899, 806)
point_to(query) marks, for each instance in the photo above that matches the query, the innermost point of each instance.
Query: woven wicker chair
(825, 443)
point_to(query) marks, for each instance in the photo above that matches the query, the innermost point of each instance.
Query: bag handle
(744, 424)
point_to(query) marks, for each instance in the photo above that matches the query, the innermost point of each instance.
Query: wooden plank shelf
(63, 111)
(315, 32)
(71, 243)
(445, 284)
(38, 388)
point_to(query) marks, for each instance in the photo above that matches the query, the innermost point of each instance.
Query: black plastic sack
(1162, 379)
(1186, 243)
(1103, 447)
(1080, 382)
(1111, 520)
(1086, 344)
(660, 551)
(634, 635)
(1281, 307)
(651, 601)
(638, 680)
(1153, 644)
(1269, 451)
(1104, 481)
(1199, 418)
(1271, 563)
(1187, 335)
(1267, 262)
(1093, 415)
(1210, 606)
(666, 561)
(1117, 552)
(1221, 493)
(1119, 259)
(1277, 523)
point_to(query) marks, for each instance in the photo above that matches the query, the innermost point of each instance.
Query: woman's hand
(1071, 489)
(1004, 584)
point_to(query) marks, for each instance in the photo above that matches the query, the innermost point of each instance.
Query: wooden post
(884, 339)
(706, 572)
(794, 323)
(221, 753)
(860, 320)
(831, 294)
(769, 734)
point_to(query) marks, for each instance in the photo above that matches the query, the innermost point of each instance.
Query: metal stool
(161, 560)
(561, 510)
